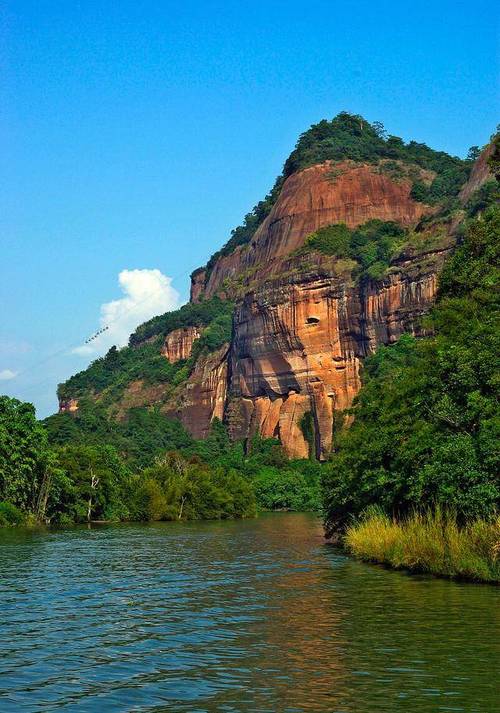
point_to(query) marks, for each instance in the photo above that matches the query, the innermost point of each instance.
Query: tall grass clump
(430, 541)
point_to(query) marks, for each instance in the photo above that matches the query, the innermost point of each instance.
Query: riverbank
(431, 542)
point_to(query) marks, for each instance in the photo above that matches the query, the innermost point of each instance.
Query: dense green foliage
(279, 484)
(26, 461)
(92, 485)
(350, 136)
(176, 487)
(144, 435)
(426, 420)
(291, 488)
(76, 468)
(372, 245)
(430, 541)
(82, 476)
(118, 368)
(10, 515)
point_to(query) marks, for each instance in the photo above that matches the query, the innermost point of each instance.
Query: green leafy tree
(94, 487)
(27, 464)
(473, 153)
(176, 488)
(371, 245)
(287, 489)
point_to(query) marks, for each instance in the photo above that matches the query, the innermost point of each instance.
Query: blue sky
(136, 135)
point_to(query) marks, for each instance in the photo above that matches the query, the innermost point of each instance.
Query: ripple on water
(254, 616)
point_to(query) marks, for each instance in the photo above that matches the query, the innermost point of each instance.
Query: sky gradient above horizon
(135, 136)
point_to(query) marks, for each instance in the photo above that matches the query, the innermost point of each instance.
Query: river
(256, 615)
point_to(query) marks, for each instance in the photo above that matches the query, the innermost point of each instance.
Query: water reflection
(236, 616)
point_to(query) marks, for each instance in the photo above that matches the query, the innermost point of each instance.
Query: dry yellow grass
(429, 542)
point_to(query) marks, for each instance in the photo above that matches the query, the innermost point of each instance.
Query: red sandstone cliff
(203, 397)
(298, 348)
(310, 199)
(178, 344)
(303, 325)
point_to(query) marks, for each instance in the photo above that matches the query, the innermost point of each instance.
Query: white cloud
(146, 294)
(7, 374)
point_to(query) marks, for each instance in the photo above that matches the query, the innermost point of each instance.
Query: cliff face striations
(297, 350)
(203, 396)
(328, 193)
(299, 333)
(178, 344)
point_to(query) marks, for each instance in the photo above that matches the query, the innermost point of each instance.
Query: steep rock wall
(479, 175)
(302, 326)
(178, 344)
(203, 397)
(298, 348)
(310, 199)
(68, 405)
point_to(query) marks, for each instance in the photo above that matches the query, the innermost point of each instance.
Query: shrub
(149, 502)
(10, 515)
(371, 245)
(286, 490)
(331, 240)
(176, 488)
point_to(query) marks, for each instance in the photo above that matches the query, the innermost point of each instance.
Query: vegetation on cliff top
(189, 315)
(371, 246)
(350, 136)
(426, 428)
(141, 437)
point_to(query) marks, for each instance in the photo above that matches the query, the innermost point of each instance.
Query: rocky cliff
(304, 319)
(179, 343)
(203, 396)
(342, 192)
(298, 344)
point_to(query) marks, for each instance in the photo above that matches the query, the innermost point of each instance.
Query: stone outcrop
(203, 397)
(479, 175)
(178, 344)
(298, 345)
(68, 405)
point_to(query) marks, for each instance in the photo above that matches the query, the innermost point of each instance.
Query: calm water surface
(236, 616)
